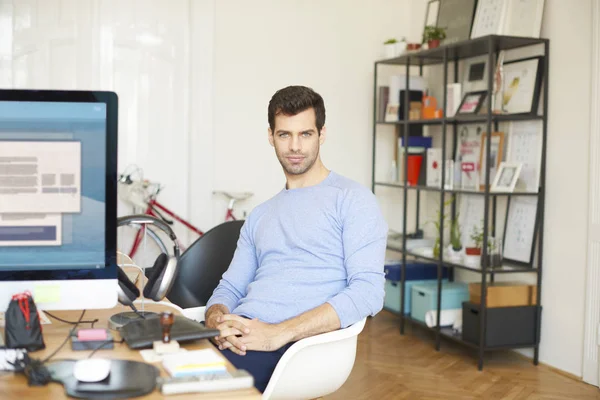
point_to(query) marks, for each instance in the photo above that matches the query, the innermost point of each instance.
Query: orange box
(504, 294)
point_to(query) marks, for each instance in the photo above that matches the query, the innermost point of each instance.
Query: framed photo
(520, 89)
(489, 18)
(431, 14)
(506, 178)
(471, 103)
(520, 229)
(475, 74)
(525, 147)
(496, 154)
(391, 112)
(456, 16)
(523, 18)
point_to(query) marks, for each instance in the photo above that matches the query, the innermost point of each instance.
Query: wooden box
(504, 294)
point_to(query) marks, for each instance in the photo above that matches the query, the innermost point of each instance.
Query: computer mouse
(91, 370)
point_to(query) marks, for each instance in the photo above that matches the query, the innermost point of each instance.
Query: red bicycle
(142, 194)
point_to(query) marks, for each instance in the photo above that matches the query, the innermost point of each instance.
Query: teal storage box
(392, 294)
(416, 272)
(424, 297)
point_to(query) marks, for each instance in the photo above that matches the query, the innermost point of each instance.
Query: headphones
(162, 274)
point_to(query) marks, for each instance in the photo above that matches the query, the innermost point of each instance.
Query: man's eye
(283, 135)
(306, 134)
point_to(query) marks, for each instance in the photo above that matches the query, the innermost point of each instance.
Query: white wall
(568, 26)
(264, 45)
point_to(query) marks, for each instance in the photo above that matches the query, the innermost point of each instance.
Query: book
(194, 363)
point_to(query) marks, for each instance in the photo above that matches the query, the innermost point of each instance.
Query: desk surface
(15, 387)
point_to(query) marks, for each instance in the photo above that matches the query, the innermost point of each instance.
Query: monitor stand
(117, 321)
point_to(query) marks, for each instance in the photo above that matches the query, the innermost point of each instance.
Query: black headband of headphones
(143, 219)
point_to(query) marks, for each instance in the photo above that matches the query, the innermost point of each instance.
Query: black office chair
(202, 265)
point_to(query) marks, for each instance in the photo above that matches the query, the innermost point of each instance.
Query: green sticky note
(46, 293)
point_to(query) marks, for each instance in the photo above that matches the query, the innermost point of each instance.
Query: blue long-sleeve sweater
(305, 247)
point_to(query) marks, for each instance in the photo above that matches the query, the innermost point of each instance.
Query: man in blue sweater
(309, 260)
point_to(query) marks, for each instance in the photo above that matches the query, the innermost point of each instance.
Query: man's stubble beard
(291, 169)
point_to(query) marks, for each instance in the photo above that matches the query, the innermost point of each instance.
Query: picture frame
(456, 16)
(489, 18)
(525, 141)
(471, 103)
(520, 230)
(496, 154)
(431, 13)
(523, 18)
(507, 176)
(475, 73)
(391, 112)
(521, 84)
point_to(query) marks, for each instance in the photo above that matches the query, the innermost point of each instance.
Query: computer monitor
(58, 198)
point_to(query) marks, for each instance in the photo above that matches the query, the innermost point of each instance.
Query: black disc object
(127, 379)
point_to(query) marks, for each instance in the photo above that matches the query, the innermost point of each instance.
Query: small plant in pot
(455, 248)
(390, 48)
(436, 222)
(433, 35)
(472, 256)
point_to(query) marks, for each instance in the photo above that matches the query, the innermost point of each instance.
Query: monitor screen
(57, 186)
(52, 194)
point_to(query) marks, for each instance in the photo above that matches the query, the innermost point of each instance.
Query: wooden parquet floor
(391, 366)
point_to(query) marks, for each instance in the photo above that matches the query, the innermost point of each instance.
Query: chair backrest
(202, 265)
(316, 366)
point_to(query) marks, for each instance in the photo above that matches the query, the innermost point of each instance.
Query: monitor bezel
(81, 96)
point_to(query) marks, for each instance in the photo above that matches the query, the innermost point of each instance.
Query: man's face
(296, 141)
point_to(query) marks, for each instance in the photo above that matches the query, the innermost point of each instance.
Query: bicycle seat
(235, 195)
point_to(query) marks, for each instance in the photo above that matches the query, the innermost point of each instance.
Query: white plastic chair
(311, 367)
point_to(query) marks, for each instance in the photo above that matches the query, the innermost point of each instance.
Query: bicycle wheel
(143, 244)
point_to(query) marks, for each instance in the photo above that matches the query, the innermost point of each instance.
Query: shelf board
(463, 49)
(449, 333)
(506, 268)
(462, 191)
(467, 119)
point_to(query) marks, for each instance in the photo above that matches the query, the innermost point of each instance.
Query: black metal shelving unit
(452, 53)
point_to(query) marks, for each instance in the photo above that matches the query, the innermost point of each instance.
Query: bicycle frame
(151, 210)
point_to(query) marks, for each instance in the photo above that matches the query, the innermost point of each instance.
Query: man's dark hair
(295, 99)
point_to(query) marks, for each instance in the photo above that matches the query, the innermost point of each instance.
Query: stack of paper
(194, 363)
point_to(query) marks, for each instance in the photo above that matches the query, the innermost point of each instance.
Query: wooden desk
(15, 387)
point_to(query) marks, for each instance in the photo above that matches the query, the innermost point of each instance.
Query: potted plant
(432, 35)
(473, 253)
(436, 223)
(455, 248)
(389, 48)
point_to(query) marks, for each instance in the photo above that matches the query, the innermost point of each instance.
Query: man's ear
(270, 133)
(323, 135)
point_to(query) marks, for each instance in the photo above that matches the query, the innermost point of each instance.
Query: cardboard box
(504, 294)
